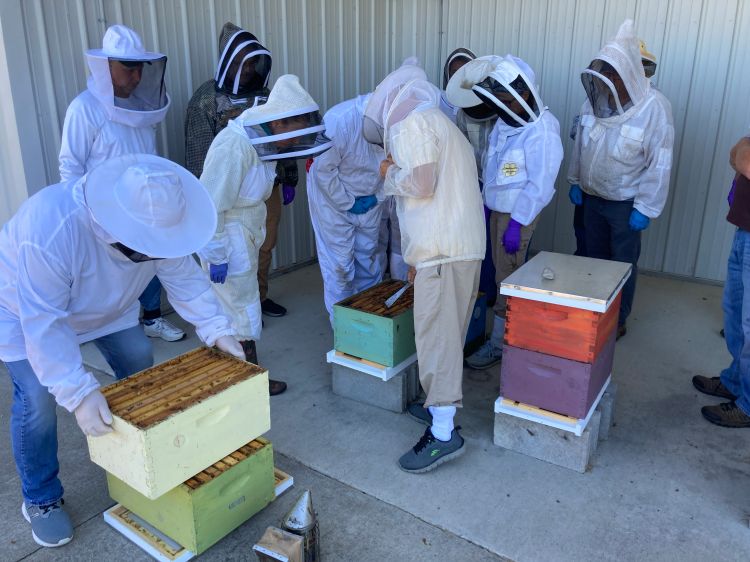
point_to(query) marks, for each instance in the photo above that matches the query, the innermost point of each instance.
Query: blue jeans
(33, 417)
(151, 299)
(609, 237)
(736, 305)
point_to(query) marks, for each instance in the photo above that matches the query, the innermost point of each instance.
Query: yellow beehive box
(176, 419)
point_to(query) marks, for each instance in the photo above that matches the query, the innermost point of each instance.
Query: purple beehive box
(553, 383)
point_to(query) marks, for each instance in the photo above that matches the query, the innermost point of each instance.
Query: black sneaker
(621, 331)
(270, 308)
(418, 412)
(430, 452)
(712, 386)
(726, 414)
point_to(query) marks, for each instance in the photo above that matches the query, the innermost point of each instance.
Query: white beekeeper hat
(122, 43)
(151, 205)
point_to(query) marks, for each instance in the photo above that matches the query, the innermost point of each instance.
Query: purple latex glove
(730, 197)
(288, 192)
(512, 237)
(218, 273)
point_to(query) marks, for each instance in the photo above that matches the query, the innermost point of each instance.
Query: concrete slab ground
(666, 485)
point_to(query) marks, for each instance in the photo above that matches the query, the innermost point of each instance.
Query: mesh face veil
(244, 65)
(290, 137)
(511, 94)
(139, 85)
(605, 89)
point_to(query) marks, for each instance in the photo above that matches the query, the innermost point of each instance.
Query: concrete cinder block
(606, 408)
(547, 443)
(392, 395)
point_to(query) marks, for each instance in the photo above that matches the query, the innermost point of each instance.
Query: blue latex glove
(512, 237)
(218, 273)
(730, 197)
(363, 204)
(576, 194)
(638, 221)
(288, 192)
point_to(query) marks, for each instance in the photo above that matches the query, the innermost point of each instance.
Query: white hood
(149, 102)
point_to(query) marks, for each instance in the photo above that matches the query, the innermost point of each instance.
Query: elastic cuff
(151, 314)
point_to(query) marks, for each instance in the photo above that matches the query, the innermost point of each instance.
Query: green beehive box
(205, 508)
(365, 328)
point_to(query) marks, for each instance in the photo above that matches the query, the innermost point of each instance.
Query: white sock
(498, 332)
(442, 421)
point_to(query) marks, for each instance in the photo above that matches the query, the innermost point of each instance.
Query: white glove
(231, 346)
(93, 415)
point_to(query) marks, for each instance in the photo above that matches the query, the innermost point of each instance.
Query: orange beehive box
(562, 305)
(563, 331)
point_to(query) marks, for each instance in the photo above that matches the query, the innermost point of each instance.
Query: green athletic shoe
(50, 525)
(430, 452)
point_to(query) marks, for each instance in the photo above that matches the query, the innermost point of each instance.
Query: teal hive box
(365, 328)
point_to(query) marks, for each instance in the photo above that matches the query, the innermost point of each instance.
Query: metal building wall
(702, 70)
(340, 48)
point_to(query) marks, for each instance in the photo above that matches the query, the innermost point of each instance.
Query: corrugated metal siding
(341, 48)
(338, 48)
(702, 70)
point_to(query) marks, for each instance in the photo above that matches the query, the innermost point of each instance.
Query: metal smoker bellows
(301, 520)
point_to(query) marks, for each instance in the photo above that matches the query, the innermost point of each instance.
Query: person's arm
(200, 130)
(574, 166)
(51, 344)
(326, 174)
(543, 155)
(739, 157)
(78, 135)
(653, 186)
(413, 171)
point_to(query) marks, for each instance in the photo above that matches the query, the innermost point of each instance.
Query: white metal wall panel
(341, 48)
(702, 71)
(338, 48)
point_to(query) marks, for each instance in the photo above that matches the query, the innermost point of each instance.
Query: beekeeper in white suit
(519, 169)
(430, 169)
(73, 261)
(343, 186)
(117, 114)
(239, 174)
(622, 156)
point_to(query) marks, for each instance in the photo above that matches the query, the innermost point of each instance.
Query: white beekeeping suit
(72, 265)
(524, 151)
(239, 173)
(346, 241)
(99, 123)
(623, 145)
(389, 241)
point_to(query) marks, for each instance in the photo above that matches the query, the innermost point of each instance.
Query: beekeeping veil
(148, 102)
(510, 90)
(615, 80)
(288, 125)
(376, 111)
(244, 63)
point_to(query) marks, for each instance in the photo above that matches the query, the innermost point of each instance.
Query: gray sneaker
(430, 452)
(418, 412)
(50, 525)
(485, 357)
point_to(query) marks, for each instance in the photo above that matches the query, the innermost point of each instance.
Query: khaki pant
(505, 264)
(444, 298)
(273, 217)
